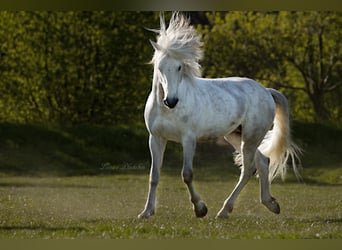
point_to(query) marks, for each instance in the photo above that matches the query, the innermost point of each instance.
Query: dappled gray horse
(184, 108)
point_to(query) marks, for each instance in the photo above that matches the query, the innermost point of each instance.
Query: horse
(185, 108)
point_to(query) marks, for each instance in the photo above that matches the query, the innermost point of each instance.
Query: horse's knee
(249, 171)
(154, 183)
(154, 178)
(187, 175)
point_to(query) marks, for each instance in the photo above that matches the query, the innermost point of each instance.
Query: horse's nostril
(171, 102)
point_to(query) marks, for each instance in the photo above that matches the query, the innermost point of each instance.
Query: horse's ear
(155, 45)
(162, 21)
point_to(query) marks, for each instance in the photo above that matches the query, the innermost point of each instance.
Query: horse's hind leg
(259, 163)
(247, 170)
(262, 163)
(189, 146)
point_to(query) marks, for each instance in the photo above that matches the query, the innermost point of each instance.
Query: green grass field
(106, 207)
(91, 182)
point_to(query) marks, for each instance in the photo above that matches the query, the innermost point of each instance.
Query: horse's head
(177, 52)
(170, 75)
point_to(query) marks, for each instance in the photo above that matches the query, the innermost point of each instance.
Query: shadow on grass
(43, 185)
(42, 228)
(329, 220)
(35, 150)
(38, 150)
(316, 220)
(309, 181)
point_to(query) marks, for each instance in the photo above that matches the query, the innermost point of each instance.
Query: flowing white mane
(179, 41)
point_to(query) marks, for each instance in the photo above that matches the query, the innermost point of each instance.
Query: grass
(91, 182)
(107, 206)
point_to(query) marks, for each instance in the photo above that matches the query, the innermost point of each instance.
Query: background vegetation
(296, 52)
(91, 67)
(74, 67)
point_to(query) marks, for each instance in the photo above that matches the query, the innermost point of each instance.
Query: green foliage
(74, 67)
(81, 67)
(296, 52)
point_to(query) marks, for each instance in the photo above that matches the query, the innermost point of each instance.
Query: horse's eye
(179, 68)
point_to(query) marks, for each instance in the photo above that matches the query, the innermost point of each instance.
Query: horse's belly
(216, 130)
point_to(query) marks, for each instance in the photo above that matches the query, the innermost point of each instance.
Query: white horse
(185, 108)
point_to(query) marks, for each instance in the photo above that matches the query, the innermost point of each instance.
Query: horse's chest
(167, 128)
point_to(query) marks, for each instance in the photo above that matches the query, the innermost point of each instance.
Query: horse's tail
(277, 144)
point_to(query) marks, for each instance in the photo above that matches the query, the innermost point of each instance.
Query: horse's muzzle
(171, 102)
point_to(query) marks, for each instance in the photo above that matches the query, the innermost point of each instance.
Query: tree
(74, 67)
(298, 52)
(314, 50)
(91, 67)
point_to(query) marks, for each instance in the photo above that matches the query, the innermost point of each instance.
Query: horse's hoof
(272, 205)
(145, 214)
(225, 211)
(222, 215)
(201, 210)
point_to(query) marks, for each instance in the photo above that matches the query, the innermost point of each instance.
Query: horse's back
(248, 101)
(240, 85)
(245, 91)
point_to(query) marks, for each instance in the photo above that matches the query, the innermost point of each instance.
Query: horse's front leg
(157, 147)
(189, 146)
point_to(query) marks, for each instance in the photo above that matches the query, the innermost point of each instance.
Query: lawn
(107, 206)
(91, 182)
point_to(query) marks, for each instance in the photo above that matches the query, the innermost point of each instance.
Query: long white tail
(277, 144)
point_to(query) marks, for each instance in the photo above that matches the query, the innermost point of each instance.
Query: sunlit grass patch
(107, 206)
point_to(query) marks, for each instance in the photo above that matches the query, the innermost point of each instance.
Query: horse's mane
(179, 41)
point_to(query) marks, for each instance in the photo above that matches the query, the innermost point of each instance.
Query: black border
(156, 5)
